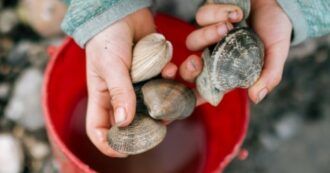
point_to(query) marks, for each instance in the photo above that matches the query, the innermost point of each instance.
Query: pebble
(4, 90)
(8, 20)
(51, 166)
(43, 16)
(38, 150)
(288, 126)
(6, 44)
(27, 52)
(269, 141)
(12, 156)
(25, 105)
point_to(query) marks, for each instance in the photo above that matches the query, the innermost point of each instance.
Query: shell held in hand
(141, 135)
(235, 62)
(168, 100)
(150, 55)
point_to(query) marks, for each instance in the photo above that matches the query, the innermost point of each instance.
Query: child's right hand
(111, 98)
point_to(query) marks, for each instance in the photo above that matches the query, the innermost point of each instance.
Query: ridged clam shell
(235, 62)
(245, 5)
(150, 55)
(143, 134)
(168, 99)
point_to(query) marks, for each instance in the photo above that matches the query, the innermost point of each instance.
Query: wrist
(141, 23)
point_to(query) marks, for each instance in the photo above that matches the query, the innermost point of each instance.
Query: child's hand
(112, 100)
(268, 20)
(274, 28)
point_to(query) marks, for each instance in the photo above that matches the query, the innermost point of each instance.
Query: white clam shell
(150, 55)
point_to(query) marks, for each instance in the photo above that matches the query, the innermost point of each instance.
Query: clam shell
(235, 62)
(245, 5)
(168, 100)
(150, 55)
(143, 134)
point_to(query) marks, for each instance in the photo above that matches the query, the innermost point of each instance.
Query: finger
(214, 13)
(271, 75)
(122, 96)
(206, 36)
(98, 119)
(169, 71)
(190, 68)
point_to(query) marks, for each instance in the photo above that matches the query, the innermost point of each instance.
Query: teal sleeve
(67, 2)
(310, 18)
(86, 18)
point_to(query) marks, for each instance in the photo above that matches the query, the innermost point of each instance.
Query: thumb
(122, 96)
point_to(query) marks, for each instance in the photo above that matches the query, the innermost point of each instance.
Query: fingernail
(233, 15)
(120, 116)
(222, 29)
(192, 65)
(262, 95)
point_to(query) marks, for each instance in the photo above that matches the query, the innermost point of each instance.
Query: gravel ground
(288, 131)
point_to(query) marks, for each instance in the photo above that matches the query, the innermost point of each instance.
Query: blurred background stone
(8, 20)
(44, 16)
(12, 156)
(25, 105)
(4, 90)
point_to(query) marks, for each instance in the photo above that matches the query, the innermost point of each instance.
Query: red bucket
(206, 142)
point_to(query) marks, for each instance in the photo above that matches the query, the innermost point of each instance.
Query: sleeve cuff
(100, 22)
(299, 23)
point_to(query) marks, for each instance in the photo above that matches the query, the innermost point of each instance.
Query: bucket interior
(205, 142)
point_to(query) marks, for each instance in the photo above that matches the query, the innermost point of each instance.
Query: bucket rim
(53, 55)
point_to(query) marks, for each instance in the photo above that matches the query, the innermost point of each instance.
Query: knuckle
(116, 93)
(120, 94)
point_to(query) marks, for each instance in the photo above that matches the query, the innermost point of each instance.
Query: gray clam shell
(245, 5)
(168, 100)
(143, 134)
(235, 62)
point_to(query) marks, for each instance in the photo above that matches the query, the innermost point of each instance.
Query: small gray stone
(37, 149)
(269, 141)
(8, 20)
(288, 126)
(4, 90)
(26, 52)
(12, 156)
(25, 104)
(50, 166)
